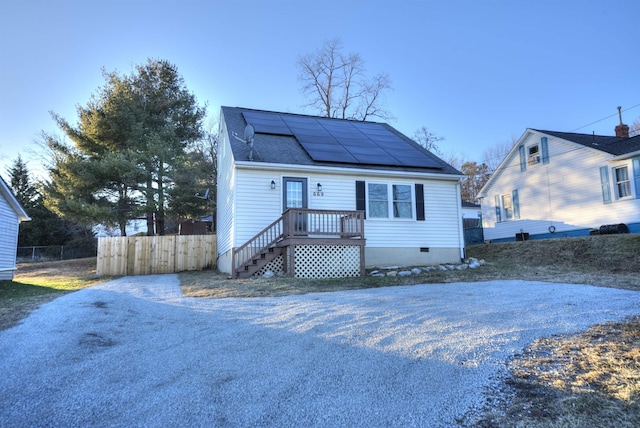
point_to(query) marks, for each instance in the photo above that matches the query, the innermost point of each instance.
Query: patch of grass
(589, 379)
(601, 254)
(60, 275)
(605, 261)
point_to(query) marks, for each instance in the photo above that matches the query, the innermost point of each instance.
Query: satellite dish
(206, 195)
(249, 132)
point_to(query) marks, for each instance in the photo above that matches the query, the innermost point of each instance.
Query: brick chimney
(622, 130)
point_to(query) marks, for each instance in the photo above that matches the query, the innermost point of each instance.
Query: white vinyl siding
(567, 193)
(257, 206)
(225, 202)
(440, 229)
(8, 239)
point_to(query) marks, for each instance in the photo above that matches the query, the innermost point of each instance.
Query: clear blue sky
(474, 72)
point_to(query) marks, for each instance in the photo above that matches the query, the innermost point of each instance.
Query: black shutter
(361, 203)
(420, 202)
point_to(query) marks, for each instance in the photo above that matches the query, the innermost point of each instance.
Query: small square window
(534, 154)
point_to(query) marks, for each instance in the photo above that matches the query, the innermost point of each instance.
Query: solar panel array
(342, 141)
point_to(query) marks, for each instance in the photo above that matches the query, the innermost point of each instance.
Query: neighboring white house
(334, 176)
(559, 184)
(11, 214)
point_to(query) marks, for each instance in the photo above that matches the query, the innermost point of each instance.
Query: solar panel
(416, 162)
(342, 141)
(267, 123)
(359, 150)
(370, 159)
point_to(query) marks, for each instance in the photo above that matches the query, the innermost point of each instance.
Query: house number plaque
(318, 193)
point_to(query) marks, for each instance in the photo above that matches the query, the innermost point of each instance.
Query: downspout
(8, 269)
(460, 228)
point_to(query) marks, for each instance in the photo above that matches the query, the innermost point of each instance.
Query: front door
(295, 196)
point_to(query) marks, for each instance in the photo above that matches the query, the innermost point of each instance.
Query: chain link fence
(55, 252)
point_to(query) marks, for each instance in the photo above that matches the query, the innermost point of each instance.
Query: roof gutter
(264, 166)
(627, 155)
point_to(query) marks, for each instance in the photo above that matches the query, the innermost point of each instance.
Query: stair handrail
(264, 240)
(296, 222)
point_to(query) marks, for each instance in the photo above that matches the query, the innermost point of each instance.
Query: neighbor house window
(507, 207)
(534, 154)
(623, 186)
(390, 200)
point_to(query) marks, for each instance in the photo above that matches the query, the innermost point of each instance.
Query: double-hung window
(507, 207)
(378, 201)
(623, 185)
(390, 201)
(401, 201)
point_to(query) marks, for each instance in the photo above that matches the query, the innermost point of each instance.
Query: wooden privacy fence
(145, 255)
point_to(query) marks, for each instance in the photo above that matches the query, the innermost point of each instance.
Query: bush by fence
(145, 255)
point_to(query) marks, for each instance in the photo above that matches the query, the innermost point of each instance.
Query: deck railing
(299, 222)
(323, 223)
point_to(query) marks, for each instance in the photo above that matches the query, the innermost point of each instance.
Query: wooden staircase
(294, 225)
(259, 261)
(260, 250)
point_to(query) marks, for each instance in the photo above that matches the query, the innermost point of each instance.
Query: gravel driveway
(135, 352)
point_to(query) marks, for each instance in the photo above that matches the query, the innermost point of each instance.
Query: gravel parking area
(135, 352)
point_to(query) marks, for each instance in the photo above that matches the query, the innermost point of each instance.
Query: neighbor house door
(295, 196)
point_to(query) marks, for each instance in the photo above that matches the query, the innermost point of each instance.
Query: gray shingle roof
(286, 149)
(609, 144)
(5, 191)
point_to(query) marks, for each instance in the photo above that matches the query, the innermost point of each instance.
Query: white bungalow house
(561, 184)
(11, 214)
(318, 197)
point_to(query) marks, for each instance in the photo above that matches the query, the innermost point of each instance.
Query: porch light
(319, 187)
(273, 184)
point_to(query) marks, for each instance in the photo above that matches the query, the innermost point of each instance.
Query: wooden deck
(300, 227)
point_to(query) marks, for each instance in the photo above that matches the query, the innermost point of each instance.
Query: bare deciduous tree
(428, 139)
(494, 155)
(336, 86)
(635, 128)
(476, 177)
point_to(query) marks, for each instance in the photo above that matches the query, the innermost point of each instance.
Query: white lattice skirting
(327, 261)
(319, 261)
(276, 266)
